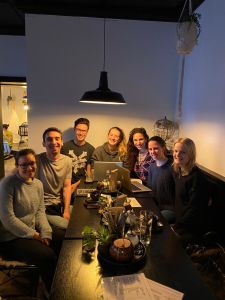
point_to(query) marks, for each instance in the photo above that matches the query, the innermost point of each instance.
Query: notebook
(134, 186)
(101, 167)
(84, 191)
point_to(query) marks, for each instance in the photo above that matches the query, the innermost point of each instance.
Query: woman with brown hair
(160, 178)
(138, 157)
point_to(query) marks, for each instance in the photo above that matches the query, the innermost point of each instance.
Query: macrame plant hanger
(187, 31)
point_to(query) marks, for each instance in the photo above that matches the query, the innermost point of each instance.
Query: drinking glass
(145, 219)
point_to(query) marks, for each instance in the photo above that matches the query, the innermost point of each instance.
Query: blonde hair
(189, 147)
(122, 143)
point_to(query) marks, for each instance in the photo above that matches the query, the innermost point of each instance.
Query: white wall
(204, 89)
(65, 57)
(13, 55)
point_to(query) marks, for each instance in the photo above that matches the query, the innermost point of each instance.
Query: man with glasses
(55, 171)
(80, 151)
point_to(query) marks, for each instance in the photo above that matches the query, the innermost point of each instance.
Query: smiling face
(114, 137)
(156, 151)
(180, 155)
(53, 143)
(80, 133)
(26, 167)
(139, 141)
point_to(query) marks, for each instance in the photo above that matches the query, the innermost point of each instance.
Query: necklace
(141, 156)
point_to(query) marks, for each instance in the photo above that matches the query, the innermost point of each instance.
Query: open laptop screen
(101, 167)
(134, 186)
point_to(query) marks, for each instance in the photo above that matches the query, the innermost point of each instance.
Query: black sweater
(161, 182)
(191, 202)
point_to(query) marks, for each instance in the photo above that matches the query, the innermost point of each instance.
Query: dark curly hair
(23, 152)
(82, 121)
(159, 141)
(51, 129)
(132, 151)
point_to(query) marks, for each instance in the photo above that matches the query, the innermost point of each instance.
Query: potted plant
(104, 239)
(188, 31)
(89, 239)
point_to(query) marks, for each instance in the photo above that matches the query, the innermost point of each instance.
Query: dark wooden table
(166, 262)
(82, 216)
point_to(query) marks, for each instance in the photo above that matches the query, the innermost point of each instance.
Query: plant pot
(104, 249)
(187, 37)
(121, 250)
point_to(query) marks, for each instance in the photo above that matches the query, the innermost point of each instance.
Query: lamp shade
(102, 95)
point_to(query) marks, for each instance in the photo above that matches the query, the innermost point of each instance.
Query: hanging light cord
(104, 47)
(190, 9)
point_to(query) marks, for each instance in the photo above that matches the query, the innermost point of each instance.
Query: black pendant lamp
(103, 95)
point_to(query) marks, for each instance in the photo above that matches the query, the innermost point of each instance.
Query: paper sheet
(126, 287)
(162, 292)
(137, 286)
(133, 202)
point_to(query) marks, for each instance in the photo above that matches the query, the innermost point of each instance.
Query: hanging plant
(188, 32)
(195, 17)
(188, 29)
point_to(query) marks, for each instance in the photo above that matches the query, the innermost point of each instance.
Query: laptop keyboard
(84, 192)
(135, 188)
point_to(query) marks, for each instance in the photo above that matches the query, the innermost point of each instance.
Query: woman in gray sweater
(25, 234)
(113, 150)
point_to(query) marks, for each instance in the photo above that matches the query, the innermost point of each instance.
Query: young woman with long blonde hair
(114, 149)
(192, 192)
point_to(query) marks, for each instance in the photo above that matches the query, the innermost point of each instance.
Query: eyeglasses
(81, 130)
(26, 165)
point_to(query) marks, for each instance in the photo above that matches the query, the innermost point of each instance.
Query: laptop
(131, 185)
(101, 167)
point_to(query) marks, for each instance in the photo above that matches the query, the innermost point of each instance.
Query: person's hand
(45, 241)
(74, 186)
(66, 214)
(36, 236)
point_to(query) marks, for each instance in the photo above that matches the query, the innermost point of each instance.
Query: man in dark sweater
(80, 151)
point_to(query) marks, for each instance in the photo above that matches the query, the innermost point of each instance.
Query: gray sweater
(22, 209)
(102, 153)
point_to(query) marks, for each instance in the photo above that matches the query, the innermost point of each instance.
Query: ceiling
(12, 12)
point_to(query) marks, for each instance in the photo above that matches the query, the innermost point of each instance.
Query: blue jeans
(58, 221)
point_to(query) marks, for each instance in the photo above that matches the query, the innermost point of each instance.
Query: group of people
(35, 201)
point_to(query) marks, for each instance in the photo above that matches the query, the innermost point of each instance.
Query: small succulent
(89, 238)
(103, 236)
(87, 230)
